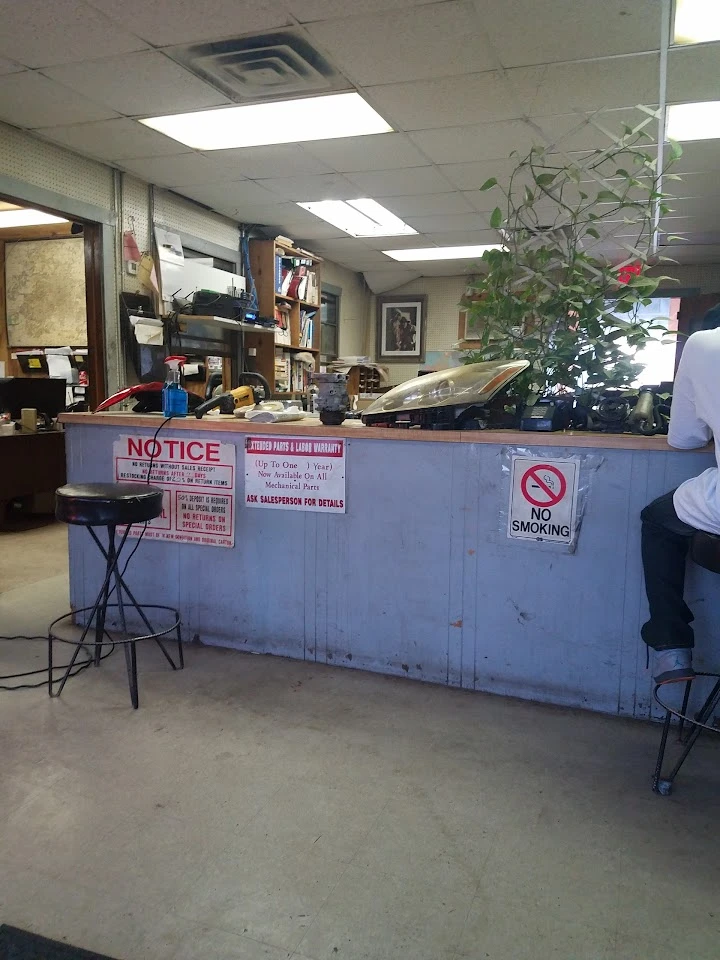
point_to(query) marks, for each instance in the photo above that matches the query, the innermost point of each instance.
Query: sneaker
(673, 666)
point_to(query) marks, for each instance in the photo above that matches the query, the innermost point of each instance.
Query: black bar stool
(705, 551)
(111, 505)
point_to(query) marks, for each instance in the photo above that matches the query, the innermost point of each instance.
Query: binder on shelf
(278, 274)
(282, 323)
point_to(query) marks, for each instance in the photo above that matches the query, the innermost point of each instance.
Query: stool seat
(705, 550)
(107, 504)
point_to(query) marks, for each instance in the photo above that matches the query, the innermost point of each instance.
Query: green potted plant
(555, 294)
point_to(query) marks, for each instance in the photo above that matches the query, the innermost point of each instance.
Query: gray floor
(260, 808)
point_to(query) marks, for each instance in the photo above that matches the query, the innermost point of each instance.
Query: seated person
(669, 522)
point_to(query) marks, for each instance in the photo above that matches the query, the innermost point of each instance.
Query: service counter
(418, 577)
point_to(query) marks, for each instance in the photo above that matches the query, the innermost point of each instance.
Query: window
(329, 320)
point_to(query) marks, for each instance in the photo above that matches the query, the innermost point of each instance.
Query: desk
(30, 463)
(418, 578)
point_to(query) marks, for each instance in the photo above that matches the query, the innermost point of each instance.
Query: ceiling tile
(164, 22)
(453, 101)
(523, 34)
(236, 199)
(448, 268)
(9, 66)
(305, 11)
(342, 247)
(486, 141)
(453, 238)
(399, 183)
(139, 84)
(384, 151)
(314, 232)
(327, 186)
(184, 169)
(598, 84)
(698, 157)
(470, 176)
(428, 205)
(693, 73)
(39, 33)
(576, 132)
(433, 41)
(458, 221)
(384, 280)
(259, 163)
(396, 243)
(29, 100)
(113, 139)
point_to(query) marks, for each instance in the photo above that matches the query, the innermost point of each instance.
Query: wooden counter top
(354, 428)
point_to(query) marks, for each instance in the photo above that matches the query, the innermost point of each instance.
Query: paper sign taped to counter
(295, 473)
(197, 477)
(543, 499)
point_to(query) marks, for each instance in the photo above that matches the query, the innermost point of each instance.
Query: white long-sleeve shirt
(694, 421)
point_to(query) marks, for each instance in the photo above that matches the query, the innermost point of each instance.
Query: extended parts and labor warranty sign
(543, 499)
(295, 473)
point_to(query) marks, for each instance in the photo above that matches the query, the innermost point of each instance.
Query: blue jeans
(665, 545)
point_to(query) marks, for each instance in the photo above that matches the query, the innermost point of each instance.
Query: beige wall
(441, 325)
(354, 308)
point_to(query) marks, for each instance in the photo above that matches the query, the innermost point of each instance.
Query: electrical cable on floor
(85, 663)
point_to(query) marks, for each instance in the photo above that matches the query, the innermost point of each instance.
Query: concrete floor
(261, 808)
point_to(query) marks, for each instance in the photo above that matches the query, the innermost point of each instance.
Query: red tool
(129, 392)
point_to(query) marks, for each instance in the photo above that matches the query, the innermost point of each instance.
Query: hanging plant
(552, 294)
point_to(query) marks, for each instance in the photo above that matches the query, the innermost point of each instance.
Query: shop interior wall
(355, 303)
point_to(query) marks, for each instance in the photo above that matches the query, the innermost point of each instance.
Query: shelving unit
(267, 258)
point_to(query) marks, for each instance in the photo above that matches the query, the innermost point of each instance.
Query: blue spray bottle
(174, 395)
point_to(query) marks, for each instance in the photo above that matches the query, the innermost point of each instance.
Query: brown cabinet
(31, 463)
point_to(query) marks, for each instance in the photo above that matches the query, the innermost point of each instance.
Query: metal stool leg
(102, 609)
(664, 785)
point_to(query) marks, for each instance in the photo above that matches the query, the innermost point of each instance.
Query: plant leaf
(543, 179)
(492, 182)
(496, 218)
(592, 232)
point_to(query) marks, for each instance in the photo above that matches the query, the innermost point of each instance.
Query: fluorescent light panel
(443, 253)
(27, 217)
(693, 121)
(359, 218)
(284, 121)
(696, 21)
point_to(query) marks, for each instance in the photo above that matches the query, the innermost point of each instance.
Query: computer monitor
(44, 394)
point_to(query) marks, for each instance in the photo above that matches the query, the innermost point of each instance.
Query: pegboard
(45, 165)
(441, 329)
(134, 214)
(183, 215)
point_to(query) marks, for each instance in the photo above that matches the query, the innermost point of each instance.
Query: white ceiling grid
(463, 82)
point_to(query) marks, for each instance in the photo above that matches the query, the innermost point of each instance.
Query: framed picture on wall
(401, 328)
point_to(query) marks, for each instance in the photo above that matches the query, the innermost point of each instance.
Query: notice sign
(197, 477)
(295, 473)
(543, 499)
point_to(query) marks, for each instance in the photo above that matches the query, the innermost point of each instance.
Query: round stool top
(107, 504)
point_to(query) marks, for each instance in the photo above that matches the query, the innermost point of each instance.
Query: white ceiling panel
(458, 221)
(428, 205)
(382, 281)
(139, 84)
(448, 268)
(305, 11)
(485, 201)
(457, 238)
(384, 151)
(327, 186)
(454, 101)
(487, 141)
(525, 32)
(691, 253)
(9, 66)
(29, 100)
(38, 33)
(596, 85)
(165, 22)
(260, 163)
(315, 231)
(236, 199)
(113, 139)
(185, 169)
(698, 157)
(399, 183)
(576, 133)
(396, 243)
(470, 176)
(693, 73)
(437, 40)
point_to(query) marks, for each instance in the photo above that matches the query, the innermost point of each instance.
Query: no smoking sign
(543, 500)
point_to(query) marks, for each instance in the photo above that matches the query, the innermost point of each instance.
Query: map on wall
(45, 293)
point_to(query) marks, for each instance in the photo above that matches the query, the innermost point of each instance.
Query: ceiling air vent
(273, 66)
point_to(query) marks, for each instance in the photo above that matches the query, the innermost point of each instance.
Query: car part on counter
(470, 397)
(550, 413)
(241, 396)
(332, 400)
(148, 396)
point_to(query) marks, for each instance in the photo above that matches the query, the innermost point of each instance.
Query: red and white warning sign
(543, 499)
(295, 473)
(197, 477)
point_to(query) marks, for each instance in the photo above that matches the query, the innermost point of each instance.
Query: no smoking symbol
(543, 485)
